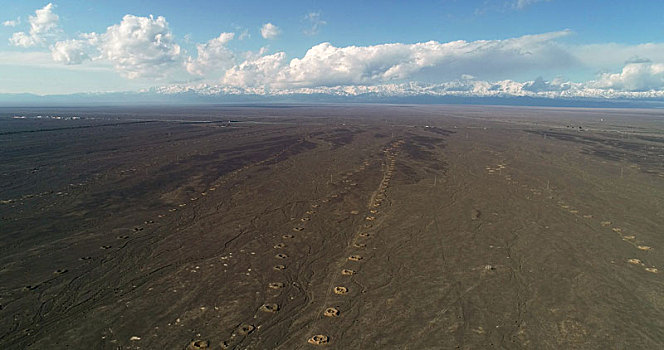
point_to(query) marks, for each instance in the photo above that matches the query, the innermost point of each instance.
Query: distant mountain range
(153, 97)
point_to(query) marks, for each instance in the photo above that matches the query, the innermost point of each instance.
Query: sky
(550, 48)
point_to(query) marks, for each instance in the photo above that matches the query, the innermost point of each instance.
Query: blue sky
(589, 47)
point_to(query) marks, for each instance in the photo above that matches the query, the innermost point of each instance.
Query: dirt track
(373, 227)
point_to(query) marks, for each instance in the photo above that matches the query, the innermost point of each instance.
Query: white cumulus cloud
(22, 39)
(269, 31)
(12, 22)
(136, 47)
(70, 51)
(139, 46)
(43, 25)
(637, 76)
(256, 71)
(212, 56)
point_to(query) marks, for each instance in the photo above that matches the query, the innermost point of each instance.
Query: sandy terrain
(337, 227)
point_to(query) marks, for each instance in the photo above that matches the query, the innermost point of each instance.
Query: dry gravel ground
(344, 227)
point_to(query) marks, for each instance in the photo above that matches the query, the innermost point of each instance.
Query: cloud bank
(145, 47)
(326, 64)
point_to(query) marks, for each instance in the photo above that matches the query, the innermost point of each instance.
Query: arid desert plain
(336, 227)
